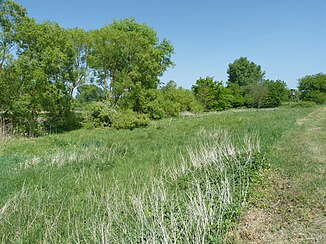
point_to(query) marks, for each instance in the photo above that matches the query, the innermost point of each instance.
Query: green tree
(179, 100)
(237, 95)
(89, 93)
(313, 88)
(127, 53)
(212, 94)
(256, 93)
(45, 55)
(244, 72)
(11, 16)
(276, 94)
(79, 42)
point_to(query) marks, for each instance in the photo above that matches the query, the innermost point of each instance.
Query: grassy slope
(130, 157)
(289, 207)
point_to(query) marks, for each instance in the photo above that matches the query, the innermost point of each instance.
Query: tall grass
(192, 201)
(178, 180)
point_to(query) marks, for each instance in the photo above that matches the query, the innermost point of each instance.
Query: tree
(89, 93)
(256, 93)
(276, 93)
(244, 72)
(45, 59)
(11, 16)
(179, 99)
(212, 94)
(237, 93)
(266, 94)
(313, 88)
(79, 52)
(126, 53)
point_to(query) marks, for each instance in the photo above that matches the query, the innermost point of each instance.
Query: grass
(179, 180)
(289, 204)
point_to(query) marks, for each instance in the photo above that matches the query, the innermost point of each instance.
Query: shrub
(315, 96)
(154, 109)
(313, 88)
(129, 120)
(303, 104)
(99, 114)
(172, 109)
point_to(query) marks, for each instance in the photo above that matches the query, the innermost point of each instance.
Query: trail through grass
(290, 205)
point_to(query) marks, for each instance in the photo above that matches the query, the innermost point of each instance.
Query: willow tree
(126, 54)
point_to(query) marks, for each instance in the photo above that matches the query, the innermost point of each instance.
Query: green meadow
(180, 180)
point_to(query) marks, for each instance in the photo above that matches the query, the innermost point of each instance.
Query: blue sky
(286, 37)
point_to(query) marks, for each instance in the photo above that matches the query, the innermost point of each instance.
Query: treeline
(56, 79)
(42, 64)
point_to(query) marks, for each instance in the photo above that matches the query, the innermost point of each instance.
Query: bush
(303, 104)
(315, 96)
(313, 88)
(99, 114)
(154, 109)
(171, 109)
(129, 120)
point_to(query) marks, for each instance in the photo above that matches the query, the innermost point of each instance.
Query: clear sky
(286, 37)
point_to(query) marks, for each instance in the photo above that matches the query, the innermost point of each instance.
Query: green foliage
(89, 93)
(303, 104)
(313, 88)
(277, 93)
(78, 67)
(159, 103)
(212, 94)
(11, 16)
(244, 72)
(38, 82)
(152, 103)
(237, 95)
(126, 53)
(180, 98)
(248, 87)
(266, 94)
(256, 94)
(99, 114)
(315, 96)
(127, 119)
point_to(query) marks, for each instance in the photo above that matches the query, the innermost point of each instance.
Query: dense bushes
(313, 88)
(168, 101)
(138, 107)
(98, 114)
(263, 94)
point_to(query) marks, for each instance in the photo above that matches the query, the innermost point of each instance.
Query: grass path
(289, 205)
